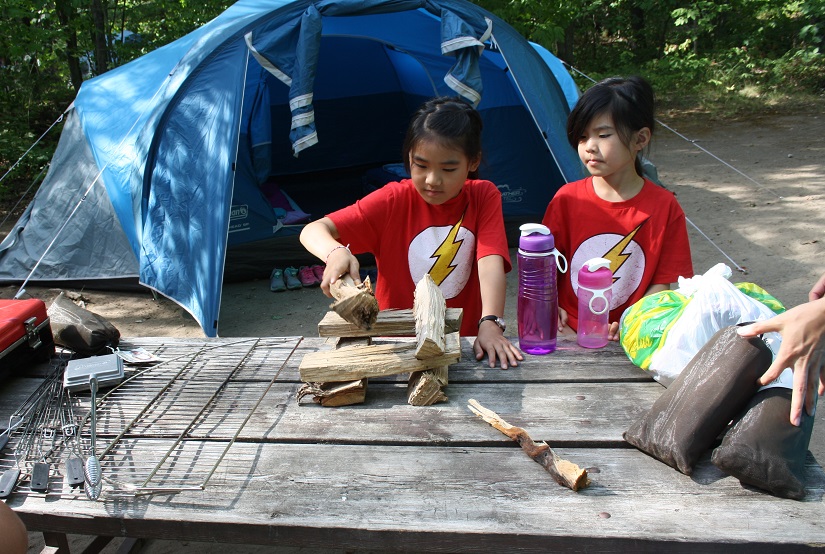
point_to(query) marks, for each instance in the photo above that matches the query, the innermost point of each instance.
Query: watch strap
(494, 318)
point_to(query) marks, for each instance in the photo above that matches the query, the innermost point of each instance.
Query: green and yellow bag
(708, 302)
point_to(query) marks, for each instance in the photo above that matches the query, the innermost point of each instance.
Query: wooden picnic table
(387, 476)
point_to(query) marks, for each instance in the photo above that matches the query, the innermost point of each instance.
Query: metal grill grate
(167, 428)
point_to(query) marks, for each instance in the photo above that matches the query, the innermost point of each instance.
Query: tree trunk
(64, 15)
(565, 48)
(99, 39)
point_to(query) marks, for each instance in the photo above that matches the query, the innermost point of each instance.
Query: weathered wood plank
(570, 414)
(563, 414)
(375, 360)
(390, 323)
(381, 497)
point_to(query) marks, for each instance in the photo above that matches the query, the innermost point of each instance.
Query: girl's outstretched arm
(491, 339)
(320, 238)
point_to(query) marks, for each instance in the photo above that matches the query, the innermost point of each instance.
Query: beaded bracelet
(336, 248)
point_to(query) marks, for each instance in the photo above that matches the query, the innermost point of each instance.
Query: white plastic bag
(715, 303)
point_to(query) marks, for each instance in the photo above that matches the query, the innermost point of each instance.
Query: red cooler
(25, 335)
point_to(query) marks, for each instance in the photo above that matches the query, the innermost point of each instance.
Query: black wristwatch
(498, 321)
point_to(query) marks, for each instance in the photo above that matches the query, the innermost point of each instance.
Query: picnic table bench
(253, 466)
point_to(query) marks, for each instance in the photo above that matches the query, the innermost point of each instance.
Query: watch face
(501, 323)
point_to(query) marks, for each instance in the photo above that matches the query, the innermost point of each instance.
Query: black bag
(713, 388)
(78, 329)
(764, 449)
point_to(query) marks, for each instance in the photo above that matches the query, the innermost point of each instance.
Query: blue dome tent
(227, 139)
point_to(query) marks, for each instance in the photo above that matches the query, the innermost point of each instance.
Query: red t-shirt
(645, 238)
(410, 238)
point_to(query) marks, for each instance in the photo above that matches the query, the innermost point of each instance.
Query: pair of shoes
(276, 281)
(318, 270)
(307, 276)
(291, 278)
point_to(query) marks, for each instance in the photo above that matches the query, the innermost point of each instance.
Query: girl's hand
(563, 321)
(613, 331)
(491, 340)
(340, 262)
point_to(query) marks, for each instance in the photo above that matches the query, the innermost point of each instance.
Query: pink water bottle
(538, 307)
(595, 293)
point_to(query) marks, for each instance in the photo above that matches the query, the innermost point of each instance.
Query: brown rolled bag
(715, 386)
(764, 449)
(78, 329)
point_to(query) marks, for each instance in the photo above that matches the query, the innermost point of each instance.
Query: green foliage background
(729, 57)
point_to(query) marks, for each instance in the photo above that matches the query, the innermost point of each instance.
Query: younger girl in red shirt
(616, 213)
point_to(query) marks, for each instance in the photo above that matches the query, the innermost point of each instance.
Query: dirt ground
(753, 191)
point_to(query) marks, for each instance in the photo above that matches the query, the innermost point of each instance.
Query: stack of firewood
(339, 377)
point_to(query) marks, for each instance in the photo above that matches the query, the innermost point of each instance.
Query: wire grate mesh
(165, 428)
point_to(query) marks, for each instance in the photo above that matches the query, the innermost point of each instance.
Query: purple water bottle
(538, 307)
(595, 293)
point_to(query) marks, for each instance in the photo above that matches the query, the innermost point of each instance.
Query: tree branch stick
(565, 473)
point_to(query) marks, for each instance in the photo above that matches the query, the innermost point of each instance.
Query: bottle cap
(536, 238)
(595, 274)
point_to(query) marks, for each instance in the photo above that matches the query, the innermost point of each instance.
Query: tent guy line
(22, 290)
(690, 141)
(25, 192)
(693, 142)
(26, 153)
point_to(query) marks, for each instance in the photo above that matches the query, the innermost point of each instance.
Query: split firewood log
(345, 393)
(564, 472)
(355, 303)
(390, 323)
(430, 311)
(376, 360)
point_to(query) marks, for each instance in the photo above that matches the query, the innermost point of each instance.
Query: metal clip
(32, 334)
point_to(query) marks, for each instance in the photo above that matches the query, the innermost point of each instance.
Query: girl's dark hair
(450, 121)
(630, 102)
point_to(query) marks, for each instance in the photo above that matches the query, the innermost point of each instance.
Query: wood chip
(424, 387)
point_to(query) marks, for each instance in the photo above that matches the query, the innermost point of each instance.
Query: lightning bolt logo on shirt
(445, 254)
(627, 261)
(617, 255)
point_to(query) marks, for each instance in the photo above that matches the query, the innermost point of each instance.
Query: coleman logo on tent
(240, 211)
